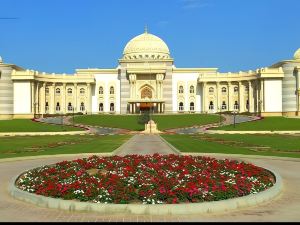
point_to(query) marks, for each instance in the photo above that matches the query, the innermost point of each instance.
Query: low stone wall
(12, 134)
(141, 209)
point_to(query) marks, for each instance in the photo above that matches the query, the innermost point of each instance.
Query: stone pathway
(145, 144)
(285, 207)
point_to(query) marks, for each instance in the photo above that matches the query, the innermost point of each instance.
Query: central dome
(297, 55)
(146, 46)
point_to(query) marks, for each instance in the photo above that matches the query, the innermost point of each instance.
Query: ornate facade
(147, 79)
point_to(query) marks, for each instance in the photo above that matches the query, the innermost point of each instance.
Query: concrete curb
(53, 156)
(171, 146)
(250, 132)
(13, 134)
(240, 156)
(119, 149)
(140, 209)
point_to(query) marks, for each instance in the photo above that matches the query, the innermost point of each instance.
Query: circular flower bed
(151, 179)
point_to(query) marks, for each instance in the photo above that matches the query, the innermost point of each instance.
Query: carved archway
(146, 92)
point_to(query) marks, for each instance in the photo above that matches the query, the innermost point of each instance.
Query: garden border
(158, 209)
(13, 134)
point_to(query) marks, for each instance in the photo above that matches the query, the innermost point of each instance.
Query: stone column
(88, 109)
(203, 97)
(218, 105)
(230, 108)
(298, 89)
(257, 95)
(32, 96)
(262, 96)
(43, 99)
(63, 97)
(75, 98)
(241, 98)
(52, 99)
(251, 103)
(37, 98)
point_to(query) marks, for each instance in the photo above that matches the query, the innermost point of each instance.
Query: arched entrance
(146, 93)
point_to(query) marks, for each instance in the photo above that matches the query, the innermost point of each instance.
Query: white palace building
(146, 78)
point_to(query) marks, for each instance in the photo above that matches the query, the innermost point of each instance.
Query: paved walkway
(67, 120)
(229, 119)
(143, 144)
(286, 207)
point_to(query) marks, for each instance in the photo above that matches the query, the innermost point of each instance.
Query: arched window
(181, 108)
(211, 90)
(180, 91)
(101, 90)
(82, 91)
(211, 105)
(192, 89)
(70, 91)
(101, 107)
(82, 108)
(47, 91)
(112, 107)
(247, 104)
(224, 90)
(57, 107)
(70, 107)
(111, 90)
(146, 93)
(236, 105)
(57, 90)
(247, 88)
(224, 106)
(236, 89)
(192, 106)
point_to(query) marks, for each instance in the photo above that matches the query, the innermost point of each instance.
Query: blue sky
(64, 35)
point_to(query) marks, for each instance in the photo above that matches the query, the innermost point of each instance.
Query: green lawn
(26, 125)
(51, 145)
(134, 122)
(266, 124)
(268, 145)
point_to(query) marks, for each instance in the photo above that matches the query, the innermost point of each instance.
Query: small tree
(144, 117)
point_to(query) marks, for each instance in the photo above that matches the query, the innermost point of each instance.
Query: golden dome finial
(146, 29)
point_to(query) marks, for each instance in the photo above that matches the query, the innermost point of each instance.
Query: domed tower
(146, 67)
(146, 47)
(6, 89)
(291, 85)
(297, 55)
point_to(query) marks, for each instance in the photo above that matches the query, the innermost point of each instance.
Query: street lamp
(73, 108)
(62, 121)
(220, 116)
(234, 114)
(34, 109)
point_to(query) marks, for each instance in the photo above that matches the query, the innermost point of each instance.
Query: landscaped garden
(148, 179)
(266, 124)
(52, 145)
(136, 122)
(27, 125)
(248, 144)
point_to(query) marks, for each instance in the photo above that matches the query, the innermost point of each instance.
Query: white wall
(106, 79)
(273, 95)
(22, 97)
(186, 79)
